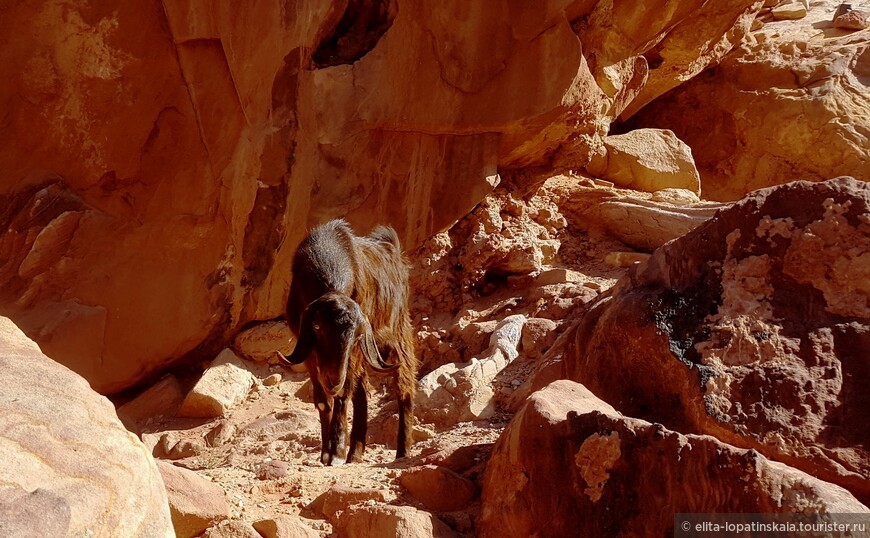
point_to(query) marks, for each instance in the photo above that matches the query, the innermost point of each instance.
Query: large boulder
(568, 464)
(162, 160)
(647, 160)
(784, 105)
(68, 466)
(754, 328)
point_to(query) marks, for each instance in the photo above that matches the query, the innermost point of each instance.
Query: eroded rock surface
(68, 466)
(791, 102)
(569, 464)
(753, 328)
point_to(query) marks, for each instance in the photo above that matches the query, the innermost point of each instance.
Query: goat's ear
(304, 341)
(370, 349)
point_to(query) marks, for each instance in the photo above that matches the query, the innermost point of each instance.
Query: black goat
(348, 306)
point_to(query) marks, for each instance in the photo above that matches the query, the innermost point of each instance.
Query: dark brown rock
(753, 328)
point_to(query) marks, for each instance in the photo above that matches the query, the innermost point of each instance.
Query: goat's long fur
(352, 290)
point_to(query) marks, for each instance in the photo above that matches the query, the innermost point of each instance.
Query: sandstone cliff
(163, 159)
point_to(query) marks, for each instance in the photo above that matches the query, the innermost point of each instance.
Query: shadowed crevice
(358, 31)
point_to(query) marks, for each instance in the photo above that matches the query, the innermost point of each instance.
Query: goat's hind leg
(360, 422)
(406, 423)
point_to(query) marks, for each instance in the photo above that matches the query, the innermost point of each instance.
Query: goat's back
(382, 281)
(324, 262)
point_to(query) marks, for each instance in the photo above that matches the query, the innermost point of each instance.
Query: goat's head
(335, 328)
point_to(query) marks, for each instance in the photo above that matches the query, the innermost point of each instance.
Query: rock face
(162, 160)
(69, 468)
(784, 105)
(753, 328)
(608, 475)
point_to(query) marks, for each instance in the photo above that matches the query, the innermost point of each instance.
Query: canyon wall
(162, 160)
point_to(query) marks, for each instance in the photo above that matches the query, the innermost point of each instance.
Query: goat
(348, 306)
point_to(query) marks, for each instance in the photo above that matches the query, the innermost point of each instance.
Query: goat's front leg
(360, 423)
(323, 402)
(337, 435)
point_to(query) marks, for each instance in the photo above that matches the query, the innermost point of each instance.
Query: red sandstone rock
(855, 19)
(569, 465)
(438, 488)
(339, 498)
(753, 328)
(232, 529)
(160, 399)
(284, 527)
(162, 160)
(195, 503)
(386, 520)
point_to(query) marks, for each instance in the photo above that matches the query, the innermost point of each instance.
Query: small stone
(220, 434)
(853, 20)
(625, 259)
(232, 529)
(789, 11)
(272, 380)
(186, 448)
(271, 470)
(222, 386)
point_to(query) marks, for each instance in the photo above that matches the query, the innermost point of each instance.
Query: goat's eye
(316, 326)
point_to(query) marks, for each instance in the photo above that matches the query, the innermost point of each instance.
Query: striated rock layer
(68, 466)
(162, 160)
(753, 328)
